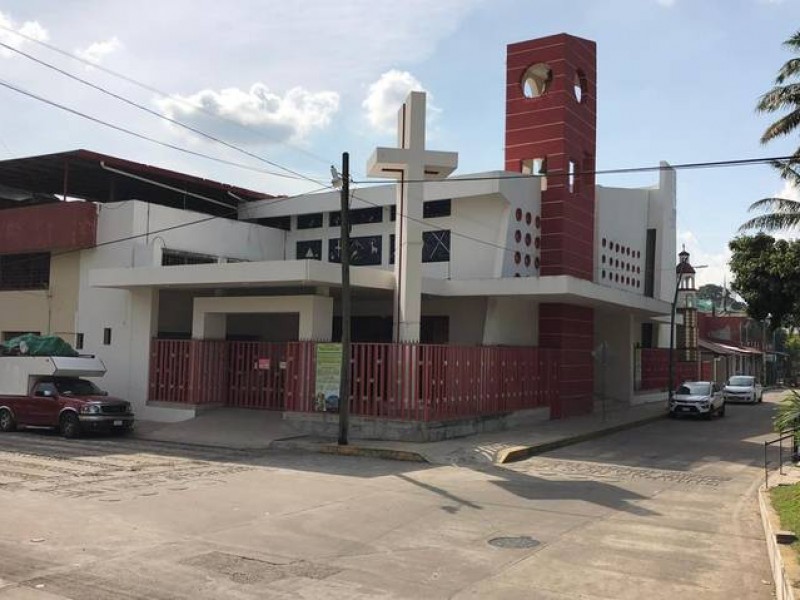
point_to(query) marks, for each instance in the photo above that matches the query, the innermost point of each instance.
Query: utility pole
(344, 383)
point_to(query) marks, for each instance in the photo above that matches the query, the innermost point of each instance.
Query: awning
(727, 349)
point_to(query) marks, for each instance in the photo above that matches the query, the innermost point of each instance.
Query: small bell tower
(687, 338)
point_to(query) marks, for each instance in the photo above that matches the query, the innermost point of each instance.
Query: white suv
(743, 388)
(698, 398)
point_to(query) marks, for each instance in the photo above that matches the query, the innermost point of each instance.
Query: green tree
(711, 291)
(784, 97)
(767, 276)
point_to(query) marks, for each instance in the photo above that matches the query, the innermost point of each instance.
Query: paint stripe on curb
(522, 452)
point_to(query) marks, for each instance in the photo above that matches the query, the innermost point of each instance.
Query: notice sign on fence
(328, 377)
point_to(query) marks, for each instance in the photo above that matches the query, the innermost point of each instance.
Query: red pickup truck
(49, 392)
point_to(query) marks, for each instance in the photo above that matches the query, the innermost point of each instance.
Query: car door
(44, 405)
(716, 395)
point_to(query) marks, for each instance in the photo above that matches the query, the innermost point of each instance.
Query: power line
(142, 136)
(696, 165)
(154, 113)
(158, 92)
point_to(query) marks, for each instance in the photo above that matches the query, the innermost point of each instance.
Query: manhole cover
(517, 541)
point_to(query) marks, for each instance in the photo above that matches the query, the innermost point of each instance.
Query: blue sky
(677, 80)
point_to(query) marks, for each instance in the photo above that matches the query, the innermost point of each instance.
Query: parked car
(698, 398)
(743, 388)
(49, 392)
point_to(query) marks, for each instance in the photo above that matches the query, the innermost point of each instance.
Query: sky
(299, 83)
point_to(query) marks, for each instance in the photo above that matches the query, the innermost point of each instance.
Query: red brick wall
(556, 126)
(48, 227)
(570, 330)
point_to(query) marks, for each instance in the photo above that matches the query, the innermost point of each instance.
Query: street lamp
(671, 373)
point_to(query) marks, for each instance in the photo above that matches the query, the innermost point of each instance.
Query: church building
(473, 294)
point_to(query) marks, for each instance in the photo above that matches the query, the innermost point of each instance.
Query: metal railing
(786, 434)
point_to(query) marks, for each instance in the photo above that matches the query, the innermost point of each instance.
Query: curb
(522, 452)
(364, 451)
(783, 585)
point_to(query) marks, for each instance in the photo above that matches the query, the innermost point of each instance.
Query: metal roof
(86, 175)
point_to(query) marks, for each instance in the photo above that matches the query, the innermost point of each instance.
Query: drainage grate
(514, 542)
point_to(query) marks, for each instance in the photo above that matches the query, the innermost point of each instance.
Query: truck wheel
(7, 420)
(70, 426)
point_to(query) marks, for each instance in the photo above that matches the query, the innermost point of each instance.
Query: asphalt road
(662, 511)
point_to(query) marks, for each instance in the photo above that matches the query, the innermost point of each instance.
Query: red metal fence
(655, 370)
(426, 382)
(419, 382)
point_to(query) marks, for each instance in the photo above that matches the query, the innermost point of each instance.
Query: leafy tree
(788, 414)
(781, 213)
(711, 291)
(767, 276)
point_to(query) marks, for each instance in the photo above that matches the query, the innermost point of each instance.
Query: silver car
(698, 398)
(743, 388)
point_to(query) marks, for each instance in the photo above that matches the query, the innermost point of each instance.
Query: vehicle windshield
(694, 389)
(741, 381)
(72, 386)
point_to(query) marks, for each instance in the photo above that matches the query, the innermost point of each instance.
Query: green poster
(329, 376)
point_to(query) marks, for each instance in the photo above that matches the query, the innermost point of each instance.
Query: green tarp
(38, 345)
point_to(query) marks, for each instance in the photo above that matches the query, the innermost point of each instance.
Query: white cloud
(716, 263)
(97, 51)
(31, 29)
(387, 94)
(291, 117)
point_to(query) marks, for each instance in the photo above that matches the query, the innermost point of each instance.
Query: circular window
(603, 274)
(518, 214)
(537, 242)
(536, 80)
(638, 270)
(616, 247)
(517, 257)
(527, 239)
(538, 222)
(518, 236)
(616, 263)
(604, 242)
(579, 86)
(536, 262)
(603, 259)
(627, 281)
(616, 277)
(527, 260)
(528, 218)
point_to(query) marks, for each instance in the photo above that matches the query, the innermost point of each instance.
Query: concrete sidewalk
(261, 430)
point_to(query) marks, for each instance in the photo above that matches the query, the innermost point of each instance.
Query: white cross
(410, 163)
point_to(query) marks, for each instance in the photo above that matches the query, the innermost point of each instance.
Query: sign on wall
(328, 377)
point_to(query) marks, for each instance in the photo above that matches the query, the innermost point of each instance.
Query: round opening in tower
(536, 80)
(579, 86)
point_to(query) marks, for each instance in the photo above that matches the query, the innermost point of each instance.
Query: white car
(698, 398)
(743, 388)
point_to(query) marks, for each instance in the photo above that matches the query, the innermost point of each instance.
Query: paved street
(662, 511)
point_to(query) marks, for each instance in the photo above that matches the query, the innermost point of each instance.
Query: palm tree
(781, 213)
(788, 417)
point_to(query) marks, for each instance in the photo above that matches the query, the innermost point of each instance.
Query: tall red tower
(551, 131)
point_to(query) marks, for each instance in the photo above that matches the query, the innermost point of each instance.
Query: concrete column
(143, 328)
(511, 321)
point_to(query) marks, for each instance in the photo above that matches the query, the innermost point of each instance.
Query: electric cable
(156, 91)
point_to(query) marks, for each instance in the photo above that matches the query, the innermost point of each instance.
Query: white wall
(128, 314)
(482, 222)
(511, 322)
(620, 331)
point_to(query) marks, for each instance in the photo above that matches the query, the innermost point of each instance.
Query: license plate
(684, 409)
(117, 423)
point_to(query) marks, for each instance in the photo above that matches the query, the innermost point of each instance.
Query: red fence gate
(241, 374)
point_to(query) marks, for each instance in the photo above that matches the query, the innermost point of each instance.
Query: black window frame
(314, 245)
(30, 271)
(309, 221)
